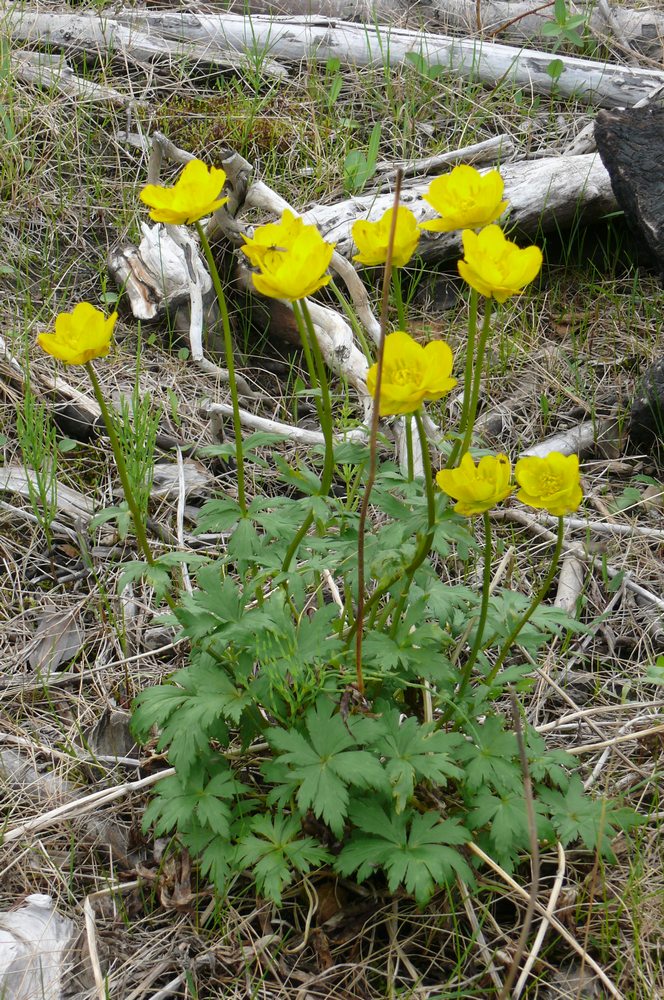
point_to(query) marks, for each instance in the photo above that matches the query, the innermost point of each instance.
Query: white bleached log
(298, 435)
(16, 479)
(53, 73)
(319, 39)
(514, 20)
(542, 194)
(95, 34)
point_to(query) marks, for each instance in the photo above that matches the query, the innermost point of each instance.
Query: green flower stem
(352, 319)
(532, 608)
(481, 621)
(428, 474)
(230, 364)
(139, 526)
(398, 297)
(424, 546)
(309, 359)
(409, 446)
(477, 378)
(357, 629)
(295, 544)
(467, 378)
(312, 368)
(326, 403)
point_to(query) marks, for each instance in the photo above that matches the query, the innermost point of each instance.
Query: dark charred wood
(631, 145)
(646, 428)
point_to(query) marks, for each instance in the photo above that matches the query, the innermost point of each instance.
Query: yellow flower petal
(81, 335)
(411, 374)
(494, 266)
(292, 271)
(372, 238)
(477, 488)
(465, 199)
(551, 483)
(194, 195)
(273, 236)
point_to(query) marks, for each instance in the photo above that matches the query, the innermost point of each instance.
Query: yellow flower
(411, 373)
(195, 194)
(372, 238)
(274, 236)
(465, 199)
(81, 335)
(550, 483)
(294, 271)
(477, 488)
(495, 267)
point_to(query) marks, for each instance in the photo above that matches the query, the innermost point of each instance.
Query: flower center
(404, 375)
(550, 484)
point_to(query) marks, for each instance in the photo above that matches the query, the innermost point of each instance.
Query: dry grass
(574, 352)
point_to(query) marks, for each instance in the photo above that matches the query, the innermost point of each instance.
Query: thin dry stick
(627, 738)
(373, 438)
(560, 691)
(555, 923)
(544, 926)
(91, 931)
(534, 849)
(584, 713)
(482, 945)
(515, 20)
(85, 804)
(93, 953)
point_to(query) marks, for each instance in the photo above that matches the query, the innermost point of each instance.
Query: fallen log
(542, 194)
(93, 35)
(53, 73)
(519, 21)
(371, 44)
(522, 21)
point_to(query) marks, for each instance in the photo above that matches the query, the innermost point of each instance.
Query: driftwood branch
(53, 73)
(320, 39)
(542, 194)
(518, 21)
(521, 21)
(93, 34)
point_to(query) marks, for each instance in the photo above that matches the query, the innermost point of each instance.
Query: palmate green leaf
(490, 758)
(217, 854)
(183, 806)
(509, 831)
(280, 517)
(414, 849)
(577, 816)
(316, 642)
(153, 707)
(323, 764)
(155, 575)
(212, 608)
(414, 752)
(190, 710)
(381, 649)
(217, 860)
(218, 515)
(244, 543)
(548, 765)
(452, 530)
(275, 850)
